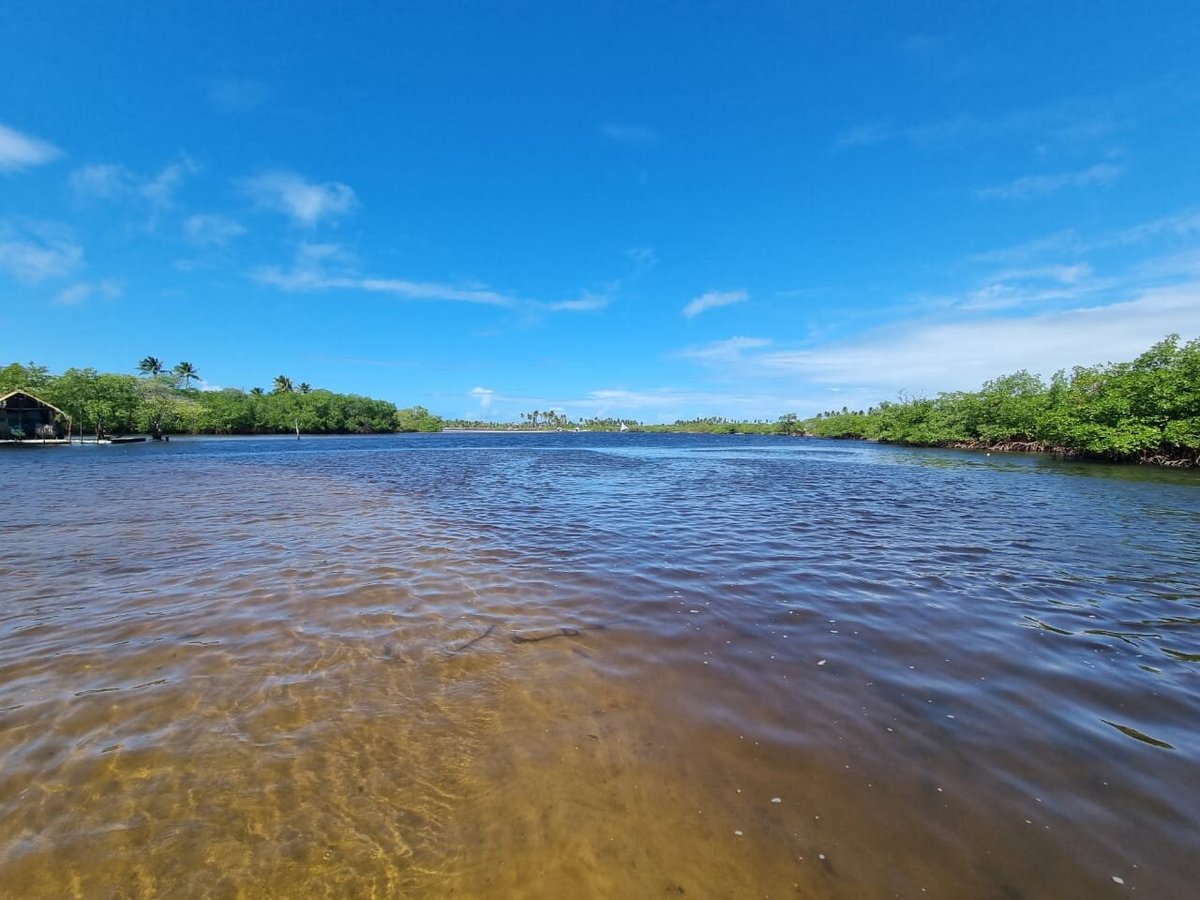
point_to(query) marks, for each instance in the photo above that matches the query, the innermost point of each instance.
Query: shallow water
(595, 666)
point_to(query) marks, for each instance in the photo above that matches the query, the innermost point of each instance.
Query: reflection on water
(594, 665)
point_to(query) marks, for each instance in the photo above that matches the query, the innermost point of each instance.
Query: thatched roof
(36, 400)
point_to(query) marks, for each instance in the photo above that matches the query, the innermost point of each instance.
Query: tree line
(554, 421)
(1147, 410)
(164, 401)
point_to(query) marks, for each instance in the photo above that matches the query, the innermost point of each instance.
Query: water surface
(595, 665)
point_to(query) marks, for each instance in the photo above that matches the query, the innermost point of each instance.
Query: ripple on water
(598, 665)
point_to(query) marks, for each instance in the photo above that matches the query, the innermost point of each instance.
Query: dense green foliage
(156, 403)
(1146, 410)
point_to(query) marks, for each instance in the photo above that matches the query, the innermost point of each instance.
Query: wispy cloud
(38, 251)
(159, 189)
(1069, 298)
(326, 267)
(712, 300)
(1030, 287)
(644, 258)
(307, 203)
(151, 193)
(22, 151)
(426, 290)
(101, 181)
(1071, 122)
(210, 229)
(937, 356)
(630, 135)
(82, 291)
(724, 352)
(1183, 224)
(1031, 186)
(600, 297)
(586, 303)
(1174, 228)
(238, 95)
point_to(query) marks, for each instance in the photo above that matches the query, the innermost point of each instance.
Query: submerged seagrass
(594, 665)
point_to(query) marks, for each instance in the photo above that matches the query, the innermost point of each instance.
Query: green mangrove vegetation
(1147, 410)
(162, 401)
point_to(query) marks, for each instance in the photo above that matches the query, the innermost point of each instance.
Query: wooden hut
(24, 417)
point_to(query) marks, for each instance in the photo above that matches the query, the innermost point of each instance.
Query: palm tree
(256, 392)
(185, 371)
(151, 365)
(283, 384)
(305, 387)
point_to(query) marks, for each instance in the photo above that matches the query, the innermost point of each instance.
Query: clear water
(592, 665)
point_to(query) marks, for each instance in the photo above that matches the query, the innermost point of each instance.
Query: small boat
(127, 440)
(624, 427)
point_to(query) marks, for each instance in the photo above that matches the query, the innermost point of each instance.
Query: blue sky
(738, 209)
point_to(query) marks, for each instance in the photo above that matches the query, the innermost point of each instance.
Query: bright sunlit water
(595, 665)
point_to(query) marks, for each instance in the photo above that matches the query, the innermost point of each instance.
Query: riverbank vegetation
(162, 401)
(1147, 410)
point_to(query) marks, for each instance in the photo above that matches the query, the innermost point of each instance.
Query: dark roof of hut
(37, 400)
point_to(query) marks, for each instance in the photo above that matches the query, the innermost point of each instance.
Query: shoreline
(1160, 460)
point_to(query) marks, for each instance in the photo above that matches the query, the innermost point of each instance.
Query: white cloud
(585, 303)
(712, 300)
(306, 202)
(83, 291)
(484, 396)
(209, 229)
(38, 251)
(942, 356)
(325, 267)
(1064, 274)
(425, 290)
(21, 151)
(1032, 186)
(630, 135)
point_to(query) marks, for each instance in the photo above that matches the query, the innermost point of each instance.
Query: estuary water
(595, 665)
